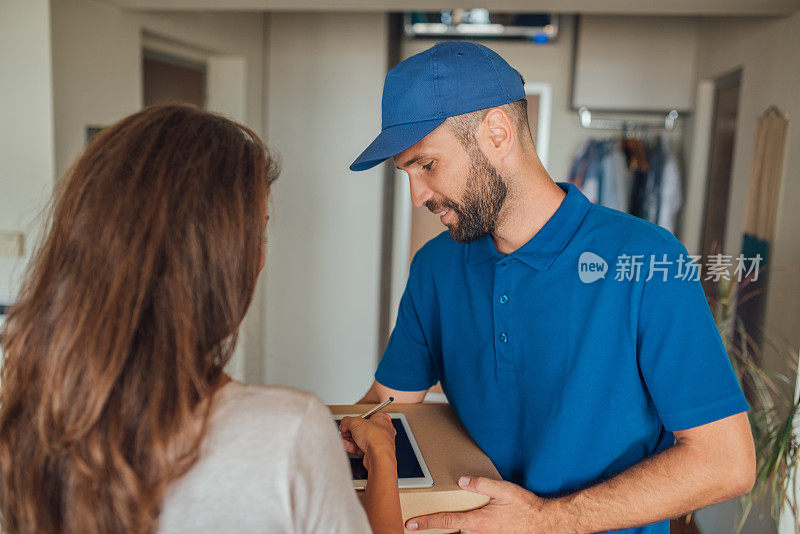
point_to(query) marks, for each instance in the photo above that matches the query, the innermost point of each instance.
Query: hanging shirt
(578, 167)
(652, 188)
(563, 374)
(591, 182)
(617, 178)
(670, 187)
(586, 170)
(638, 164)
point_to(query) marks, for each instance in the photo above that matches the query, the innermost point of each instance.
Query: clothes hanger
(773, 110)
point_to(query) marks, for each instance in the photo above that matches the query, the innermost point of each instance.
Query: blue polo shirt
(572, 358)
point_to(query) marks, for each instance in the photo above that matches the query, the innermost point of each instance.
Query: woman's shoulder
(246, 461)
(286, 397)
(265, 408)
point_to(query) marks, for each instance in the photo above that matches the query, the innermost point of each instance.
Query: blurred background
(679, 111)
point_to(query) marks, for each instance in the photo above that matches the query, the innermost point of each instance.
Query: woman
(115, 412)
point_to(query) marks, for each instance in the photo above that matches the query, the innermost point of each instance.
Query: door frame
(724, 81)
(545, 93)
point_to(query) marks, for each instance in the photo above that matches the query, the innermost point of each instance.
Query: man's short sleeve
(406, 364)
(681, 355)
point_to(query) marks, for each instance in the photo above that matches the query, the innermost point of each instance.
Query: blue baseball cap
(447, 79)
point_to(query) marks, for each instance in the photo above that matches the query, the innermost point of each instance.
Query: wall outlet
(12, 244)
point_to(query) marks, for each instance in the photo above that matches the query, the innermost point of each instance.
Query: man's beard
(484, 196)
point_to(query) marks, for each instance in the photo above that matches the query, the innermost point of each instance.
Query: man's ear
(498, 134)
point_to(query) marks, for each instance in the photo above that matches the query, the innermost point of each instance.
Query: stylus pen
(377, 408)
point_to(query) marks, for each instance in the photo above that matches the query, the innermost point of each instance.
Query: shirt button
(504, 337)
(503, 299)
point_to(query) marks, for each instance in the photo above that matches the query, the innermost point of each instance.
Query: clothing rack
(586, 120)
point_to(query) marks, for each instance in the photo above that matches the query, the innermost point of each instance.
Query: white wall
(767, 52)
(622, 63)
(97, 79)
(97, 61)
(26, 128)
(96, 71)
(325, 74)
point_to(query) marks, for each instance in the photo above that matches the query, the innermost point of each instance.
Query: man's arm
(379, 393)
(707, 464)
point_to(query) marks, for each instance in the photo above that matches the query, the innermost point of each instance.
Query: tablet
(411, 469)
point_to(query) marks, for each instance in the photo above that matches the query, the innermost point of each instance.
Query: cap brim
(392, 141)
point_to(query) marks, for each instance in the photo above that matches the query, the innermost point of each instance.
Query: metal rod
(586, 120)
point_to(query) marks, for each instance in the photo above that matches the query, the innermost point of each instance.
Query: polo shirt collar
(544, 247)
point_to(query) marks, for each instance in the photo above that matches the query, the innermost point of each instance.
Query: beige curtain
(765, 176)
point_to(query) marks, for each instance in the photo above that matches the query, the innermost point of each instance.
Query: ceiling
(611, 7)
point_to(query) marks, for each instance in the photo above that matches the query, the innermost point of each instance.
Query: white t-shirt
(271, 461)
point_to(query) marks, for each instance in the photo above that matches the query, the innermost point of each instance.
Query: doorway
(723, 139)
(171, 79)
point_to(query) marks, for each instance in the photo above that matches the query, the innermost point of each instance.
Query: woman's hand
(371, 438)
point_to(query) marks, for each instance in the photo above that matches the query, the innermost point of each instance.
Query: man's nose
(420, 193)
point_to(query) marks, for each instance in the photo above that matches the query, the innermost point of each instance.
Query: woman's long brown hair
(128, 314)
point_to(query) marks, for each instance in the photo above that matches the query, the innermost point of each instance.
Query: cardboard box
(449, 453)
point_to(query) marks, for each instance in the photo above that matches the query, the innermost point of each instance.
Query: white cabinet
(635, 63)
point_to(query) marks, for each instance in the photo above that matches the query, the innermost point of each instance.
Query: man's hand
(511, 509)
(708, 464)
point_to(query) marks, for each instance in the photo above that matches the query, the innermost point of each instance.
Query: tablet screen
(407, 464)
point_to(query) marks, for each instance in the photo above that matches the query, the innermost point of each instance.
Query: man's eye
(428, 166)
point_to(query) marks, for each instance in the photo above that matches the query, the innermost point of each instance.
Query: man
(605, 399)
